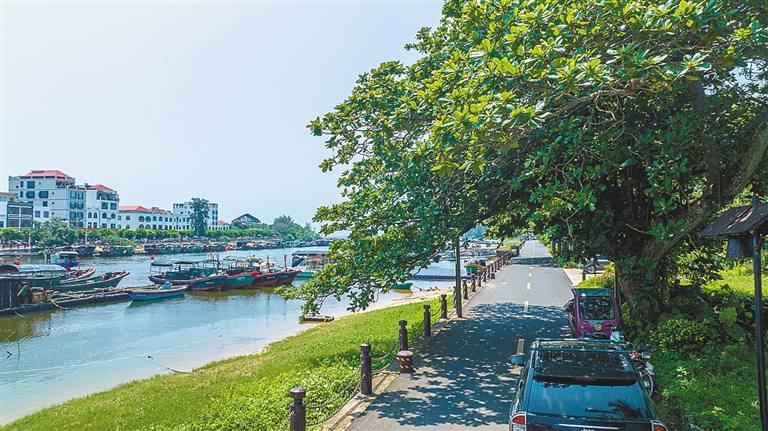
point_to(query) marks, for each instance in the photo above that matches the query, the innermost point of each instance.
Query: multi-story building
(102, 207)
(183, 212)
(53, 194)
(19, 215)
(5, 198)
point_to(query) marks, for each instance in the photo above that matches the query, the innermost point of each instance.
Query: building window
(37, 214)
(112, 225)
(21, 194)
(45, 203)
(113, 206)
(119, 217)
(42, 195)
(127, 217)
(45, 214)
(127, 226)
(30, 195)
(113, 216)
(154, 218)
(104, 205)
(30, 184)
(103, 215)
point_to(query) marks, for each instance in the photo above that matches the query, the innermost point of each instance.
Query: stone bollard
(403, 335)
(366, 372)
(480, 279)
(298, 410)
(427, 321)
(443, 306)
(406, 361)
(466, 290)
(474, 282)
(493, 275)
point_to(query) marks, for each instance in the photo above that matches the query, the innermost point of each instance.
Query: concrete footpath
(463, 380)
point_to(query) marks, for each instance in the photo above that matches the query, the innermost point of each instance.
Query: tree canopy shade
(623, 126)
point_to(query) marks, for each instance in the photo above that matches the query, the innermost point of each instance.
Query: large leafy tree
(623, 126)
(200, 215)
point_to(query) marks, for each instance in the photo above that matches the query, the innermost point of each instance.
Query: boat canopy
(27, 270)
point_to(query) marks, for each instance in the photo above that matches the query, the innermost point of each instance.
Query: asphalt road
(463, 380)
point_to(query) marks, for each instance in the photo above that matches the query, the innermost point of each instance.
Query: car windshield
(596, 308)
(599, 399)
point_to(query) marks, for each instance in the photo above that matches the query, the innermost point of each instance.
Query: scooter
(639, 356)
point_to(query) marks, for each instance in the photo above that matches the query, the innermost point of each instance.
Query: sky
(164, 101)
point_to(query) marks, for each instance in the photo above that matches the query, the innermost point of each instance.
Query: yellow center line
(520, 346)
(530, 274)
(531, 268)
(525, 307)
(529, 286)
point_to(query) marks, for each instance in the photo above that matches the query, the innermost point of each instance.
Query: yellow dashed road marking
(530, 274)
(529, 286)
(525, 307)
(520, 346)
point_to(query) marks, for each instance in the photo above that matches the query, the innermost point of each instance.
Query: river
(53, 356)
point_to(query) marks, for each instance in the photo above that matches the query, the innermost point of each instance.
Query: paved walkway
(463, 380)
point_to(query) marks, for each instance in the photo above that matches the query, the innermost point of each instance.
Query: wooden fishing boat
(116, 250)
(157, 292)
(268, 279)
(238, 281)
(79, 274)
(285, 278)
(108, 279)
(186, 272)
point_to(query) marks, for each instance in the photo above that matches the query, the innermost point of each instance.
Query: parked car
(580, 385)
(595, 264)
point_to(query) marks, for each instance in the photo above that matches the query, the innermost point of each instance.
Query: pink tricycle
(593, 311)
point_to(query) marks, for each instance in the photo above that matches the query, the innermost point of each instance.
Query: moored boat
(116, 250)
(186, 272)
(285, 278)
(108, 279)
(268, 279)
(65, 259)
(238, 281)
(157, 292)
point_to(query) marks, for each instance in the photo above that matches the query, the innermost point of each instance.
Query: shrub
(681, 338)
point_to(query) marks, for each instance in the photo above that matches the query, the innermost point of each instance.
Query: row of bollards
(298, 416)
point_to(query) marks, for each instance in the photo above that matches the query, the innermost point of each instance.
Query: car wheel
(591, 269)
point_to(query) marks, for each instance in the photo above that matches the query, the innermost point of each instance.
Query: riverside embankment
(56, 355)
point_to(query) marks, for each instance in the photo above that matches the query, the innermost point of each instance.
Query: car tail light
(518, 422)
(658, 426)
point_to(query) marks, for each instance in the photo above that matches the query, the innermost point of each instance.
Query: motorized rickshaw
(594, 311)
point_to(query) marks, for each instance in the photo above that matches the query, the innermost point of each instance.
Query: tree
(56, 232)
(200, 214)
(622, 126)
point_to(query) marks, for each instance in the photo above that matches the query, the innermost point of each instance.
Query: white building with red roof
(53, 194)
(102, 207)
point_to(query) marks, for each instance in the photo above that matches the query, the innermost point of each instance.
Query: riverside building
(53, 194)
(102, 207)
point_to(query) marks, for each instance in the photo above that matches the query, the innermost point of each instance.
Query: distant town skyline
(167, 101)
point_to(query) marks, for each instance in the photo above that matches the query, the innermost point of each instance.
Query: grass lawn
(247, 392)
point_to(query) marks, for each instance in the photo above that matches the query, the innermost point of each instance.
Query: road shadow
(542, 262)
(463, 377)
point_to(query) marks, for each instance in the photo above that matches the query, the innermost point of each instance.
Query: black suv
(580, 385)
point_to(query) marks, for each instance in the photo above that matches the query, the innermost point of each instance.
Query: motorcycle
(593, 311)
(640, 356)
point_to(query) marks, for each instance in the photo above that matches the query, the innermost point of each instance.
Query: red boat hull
(265, 280)
(285, 278)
